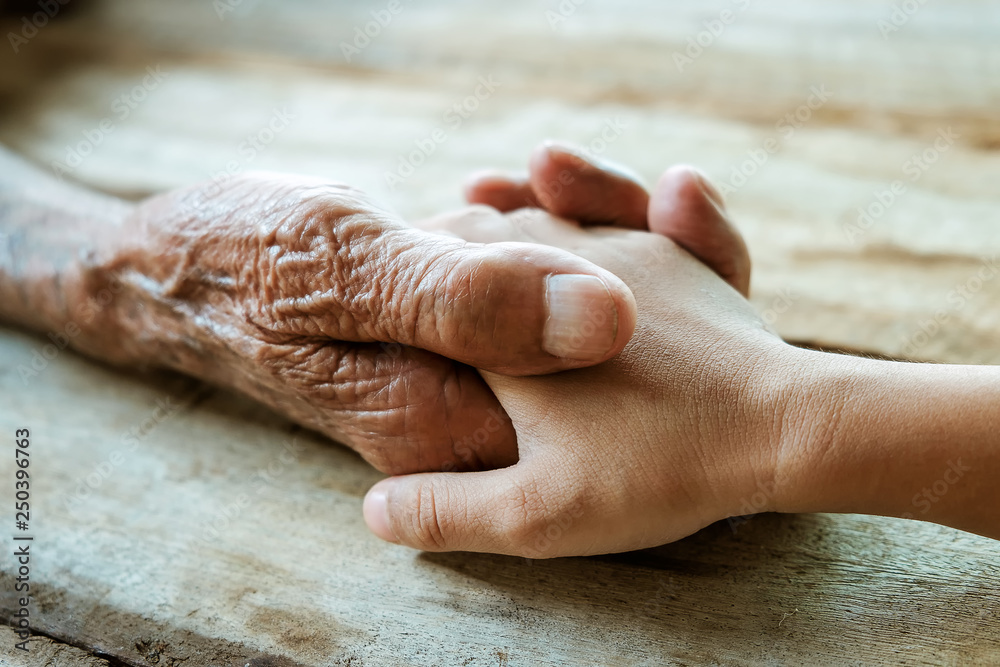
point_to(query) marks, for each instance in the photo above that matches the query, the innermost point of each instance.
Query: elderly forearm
(51, 236)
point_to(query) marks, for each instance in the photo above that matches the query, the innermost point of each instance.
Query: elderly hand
(310, 298)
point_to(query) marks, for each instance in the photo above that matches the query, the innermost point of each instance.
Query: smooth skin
(702, 415)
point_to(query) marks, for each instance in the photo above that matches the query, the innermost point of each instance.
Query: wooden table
(225, 536)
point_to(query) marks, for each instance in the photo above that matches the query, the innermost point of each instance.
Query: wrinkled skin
(311, 299)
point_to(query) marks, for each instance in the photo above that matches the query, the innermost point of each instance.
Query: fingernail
(587, 159)
(376, 513)
(707, 188)
(583, 321)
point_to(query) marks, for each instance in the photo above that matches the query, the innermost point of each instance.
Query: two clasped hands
(567, 367)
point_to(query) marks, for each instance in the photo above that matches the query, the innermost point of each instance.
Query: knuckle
(323, 262)
(380, 272)
(421, 289)
(432, 525)
(453, 280)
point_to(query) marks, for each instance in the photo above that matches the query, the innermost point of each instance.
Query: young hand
(644, 449)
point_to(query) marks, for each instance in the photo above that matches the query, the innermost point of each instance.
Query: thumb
(512, 308)
(501, 511)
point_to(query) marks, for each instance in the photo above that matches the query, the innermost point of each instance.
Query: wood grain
(44, 652)
(186, 554)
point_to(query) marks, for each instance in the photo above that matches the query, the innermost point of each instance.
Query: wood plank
(290, 576)
(149, 562)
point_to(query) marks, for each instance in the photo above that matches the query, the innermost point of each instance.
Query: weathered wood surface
(149, 569)
(45, 652)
